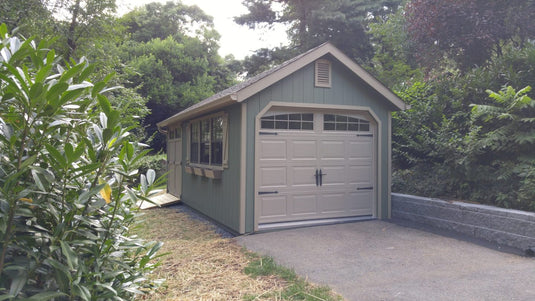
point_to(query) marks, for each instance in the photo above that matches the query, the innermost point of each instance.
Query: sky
(237, 40)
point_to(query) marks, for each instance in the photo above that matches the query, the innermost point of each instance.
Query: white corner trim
(389, 168)
(243, 168)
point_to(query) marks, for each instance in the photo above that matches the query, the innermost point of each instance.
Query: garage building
(307, 142)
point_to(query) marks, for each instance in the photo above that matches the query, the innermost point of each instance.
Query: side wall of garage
(347, 89)
(217, 198)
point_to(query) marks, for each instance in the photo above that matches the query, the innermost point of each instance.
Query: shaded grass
(296, 287)
(201, 265)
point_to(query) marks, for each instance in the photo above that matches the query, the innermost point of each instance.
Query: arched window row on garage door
(305, 121)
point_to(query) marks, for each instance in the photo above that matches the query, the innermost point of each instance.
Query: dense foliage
(66, 169)
(165, 55)
(462, 140)
(468, 31)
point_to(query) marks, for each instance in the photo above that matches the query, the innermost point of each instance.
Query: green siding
(347, 89)
(218, 199)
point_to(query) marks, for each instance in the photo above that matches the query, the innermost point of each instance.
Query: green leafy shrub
(156, 162)
(65, 170)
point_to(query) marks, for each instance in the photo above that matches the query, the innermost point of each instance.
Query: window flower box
(188, 169)
(212, 174)
(198, 171)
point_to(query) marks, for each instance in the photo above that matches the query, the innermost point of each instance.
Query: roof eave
(189, 114)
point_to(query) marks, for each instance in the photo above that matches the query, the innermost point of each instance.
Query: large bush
(65, 170)
(444, 146)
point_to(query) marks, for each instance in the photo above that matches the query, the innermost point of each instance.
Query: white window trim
(224, 163)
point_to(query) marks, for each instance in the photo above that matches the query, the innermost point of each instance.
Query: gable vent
(323, 73)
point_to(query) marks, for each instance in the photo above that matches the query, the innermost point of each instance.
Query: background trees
(468, 32)
(310, 23)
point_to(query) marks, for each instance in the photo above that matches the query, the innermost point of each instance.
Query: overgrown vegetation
(65, 169)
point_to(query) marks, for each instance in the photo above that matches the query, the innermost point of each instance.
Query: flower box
(212, 174)
(188, 169)
(198, 171)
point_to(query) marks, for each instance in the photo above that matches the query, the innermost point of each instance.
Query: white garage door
(314, 166)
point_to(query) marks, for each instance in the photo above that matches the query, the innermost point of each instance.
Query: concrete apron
(377, 260)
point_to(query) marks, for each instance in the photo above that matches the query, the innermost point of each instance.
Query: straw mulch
(201, 265)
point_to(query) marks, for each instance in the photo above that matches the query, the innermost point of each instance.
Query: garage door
(314, 166)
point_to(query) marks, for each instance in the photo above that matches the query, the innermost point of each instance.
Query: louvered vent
(323, 73)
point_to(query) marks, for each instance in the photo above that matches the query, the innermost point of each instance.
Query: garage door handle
(365, 188)
(321, 177)
(317, 177)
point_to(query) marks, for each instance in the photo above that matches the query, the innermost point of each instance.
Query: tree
(177, 68)
(468, 31)
(159, 21)
(343, 22)
(85, 21)
(393, 62)
(28, 16)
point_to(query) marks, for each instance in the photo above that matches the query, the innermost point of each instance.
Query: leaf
(103, 120)
(18, 283)
(72, 259)
(39, 181)
(56, 90)
(81, 291)
(8, 296)
(104, 103)
(46, 296)
(151, 176)
(56, 155)
(105, 192)
(144, 186)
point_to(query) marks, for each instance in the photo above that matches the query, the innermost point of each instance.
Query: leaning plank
(160, 200)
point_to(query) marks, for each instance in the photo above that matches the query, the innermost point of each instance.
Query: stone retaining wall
(511, 228)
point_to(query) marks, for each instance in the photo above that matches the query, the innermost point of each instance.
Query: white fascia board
(195, 111)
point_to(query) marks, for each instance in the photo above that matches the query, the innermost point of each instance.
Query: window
(208, 141)
(294, 121)
(175, 133)
(323, 73)
(333, 122)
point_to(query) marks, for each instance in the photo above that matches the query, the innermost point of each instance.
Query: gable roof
(248, 88)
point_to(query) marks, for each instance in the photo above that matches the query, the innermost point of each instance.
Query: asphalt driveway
(377, 260)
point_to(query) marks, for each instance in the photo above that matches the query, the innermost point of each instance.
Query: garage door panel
(304, 204)
(333, 202)
(334, 175)
(360, 174)
(303, 176)
(330, 150)
(361, 204)
(274, 206)
(361, 199)
(360, 149)
(303, 150)
(273, 177)
(273, 150)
